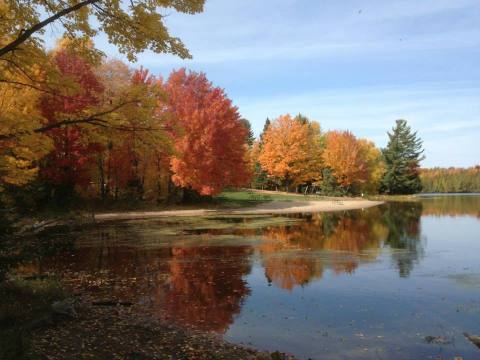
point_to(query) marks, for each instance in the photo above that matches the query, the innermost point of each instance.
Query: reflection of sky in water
(361, 284)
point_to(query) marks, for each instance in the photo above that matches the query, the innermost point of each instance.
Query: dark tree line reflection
(403, 223)
(200, 284)
(451, 205)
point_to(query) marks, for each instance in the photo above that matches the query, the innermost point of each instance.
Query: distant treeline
(444, 180)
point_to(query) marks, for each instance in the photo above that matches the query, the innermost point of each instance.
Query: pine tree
(250, 137)
(402, 159)
(260, 176)
(265, 128)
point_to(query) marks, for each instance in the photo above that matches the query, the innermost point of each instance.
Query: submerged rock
(64, 308)
(474, 339)
(439, 340)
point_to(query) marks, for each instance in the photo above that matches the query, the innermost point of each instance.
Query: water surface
(358, 284)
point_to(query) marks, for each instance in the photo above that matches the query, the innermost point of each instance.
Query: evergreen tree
(329, 185)
(402, 159)
(265, 127)
(302, 119)
(250, 137)
(260, 176)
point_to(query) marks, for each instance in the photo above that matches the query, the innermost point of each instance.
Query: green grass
(244, 197)
(398, 198)
(247, 198)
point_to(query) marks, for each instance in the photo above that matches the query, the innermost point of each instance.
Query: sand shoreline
(273, 207)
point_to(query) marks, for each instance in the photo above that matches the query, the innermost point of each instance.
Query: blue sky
(356, 65)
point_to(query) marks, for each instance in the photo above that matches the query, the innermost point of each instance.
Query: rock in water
(64, 308)
(440, 340)
(473, 339)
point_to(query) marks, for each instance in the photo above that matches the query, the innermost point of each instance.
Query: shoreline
(123, 332)
(272, 207)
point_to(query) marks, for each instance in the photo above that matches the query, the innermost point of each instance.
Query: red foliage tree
(211, 149)
(66, 164)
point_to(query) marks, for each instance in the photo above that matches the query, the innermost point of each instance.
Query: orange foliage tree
(343, 156)
(211, 149)
(291, 150)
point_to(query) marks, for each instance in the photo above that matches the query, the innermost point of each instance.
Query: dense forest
(451, 180)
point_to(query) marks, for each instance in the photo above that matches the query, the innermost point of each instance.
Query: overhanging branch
(24, 35)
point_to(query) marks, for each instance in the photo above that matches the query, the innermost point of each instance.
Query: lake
(397, 281)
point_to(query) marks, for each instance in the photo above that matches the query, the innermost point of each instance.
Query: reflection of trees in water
(207, 286)
(26, 253)
(347, 239)
(204, 286)
(199, 286)
(403, 222)
(448, 205)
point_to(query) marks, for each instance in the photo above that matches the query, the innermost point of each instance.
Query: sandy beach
(273, 207)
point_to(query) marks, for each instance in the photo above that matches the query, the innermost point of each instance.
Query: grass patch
(21, 302)
(397, 198)
(247, 198)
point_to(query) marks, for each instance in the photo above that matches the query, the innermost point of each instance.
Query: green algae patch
(163, 232)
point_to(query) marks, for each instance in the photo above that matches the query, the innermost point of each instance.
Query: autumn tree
(211, 149)
(66, 165)
(342, 155)
(136, 151)
(291, 151)
(27, 69)
(314, 147)
(402, 160)
(375, 166)
(19, 155)
(133, 27)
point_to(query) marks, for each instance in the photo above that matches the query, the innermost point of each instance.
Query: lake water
(358, 284)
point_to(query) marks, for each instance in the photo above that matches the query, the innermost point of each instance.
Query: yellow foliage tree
(19, 154)
(375, 166)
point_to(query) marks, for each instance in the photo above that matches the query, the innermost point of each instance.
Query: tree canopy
(211, 151)
(290, 150)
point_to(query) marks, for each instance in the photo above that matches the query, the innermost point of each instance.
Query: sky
(350, 64)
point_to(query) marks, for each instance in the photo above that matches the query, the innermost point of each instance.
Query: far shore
(272, 207)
